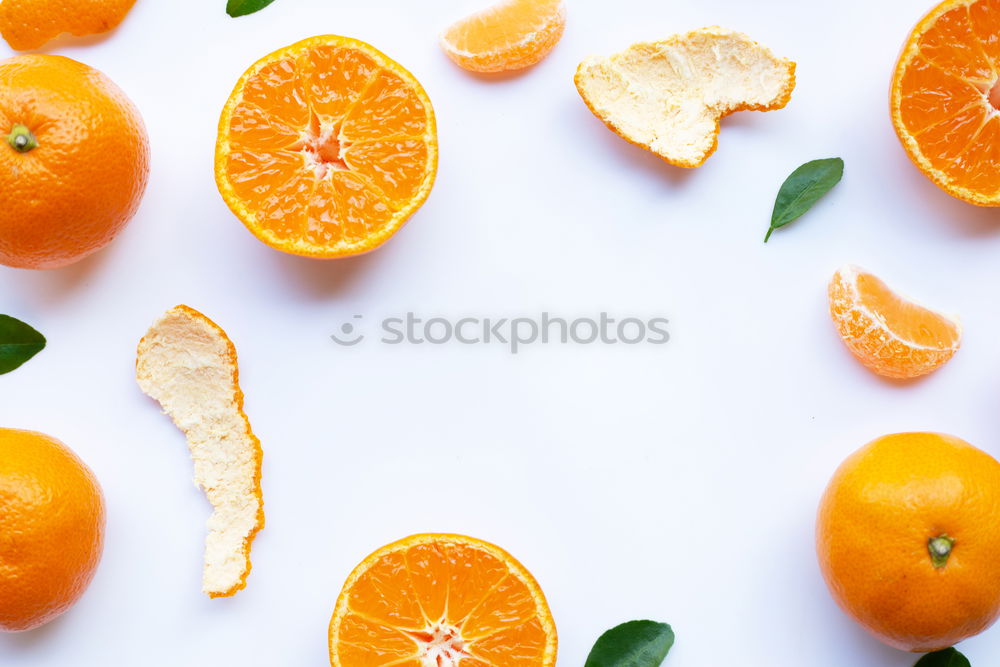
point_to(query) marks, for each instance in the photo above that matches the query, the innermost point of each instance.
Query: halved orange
(510, 35)
(945, 99)
(439, 600)
(889, 334)
(326, 147)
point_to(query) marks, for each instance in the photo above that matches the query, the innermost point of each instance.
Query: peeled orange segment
(889, 334)
(326, 148)
(945, 99)
(442, 601)
(669, 96)
(28, 24)
(188, 364)
(511, 35)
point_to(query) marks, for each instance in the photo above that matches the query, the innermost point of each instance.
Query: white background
(675, 482)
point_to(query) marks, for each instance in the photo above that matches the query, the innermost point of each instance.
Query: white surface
(675, 482)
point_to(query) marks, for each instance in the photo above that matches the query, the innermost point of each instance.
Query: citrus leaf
(18, 343)
(243, 7)
(802, 189)
(949, 657)
(632, 644)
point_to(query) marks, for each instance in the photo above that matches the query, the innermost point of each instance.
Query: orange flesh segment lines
(949, 112)
(420, 581)
(286, 106)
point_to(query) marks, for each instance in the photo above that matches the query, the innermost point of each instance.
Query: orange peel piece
(669, 96)
(188, 364)
(29, 24)
(510, 35)
(890, 334)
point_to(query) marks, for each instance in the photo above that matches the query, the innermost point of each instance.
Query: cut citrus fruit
(669, 96)
(187, 363)
(889, 334)
(28, 24)
(326, 147)
(442, 601)
(945, 99)
(511, 35)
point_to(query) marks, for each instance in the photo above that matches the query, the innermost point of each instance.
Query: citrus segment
(908, 539)
(945, 98)
(510, 35)
(889, 334)
(188, 364)
(52, 521)
(669, 96)
(326, 148)
(441, 601)
(28, 24)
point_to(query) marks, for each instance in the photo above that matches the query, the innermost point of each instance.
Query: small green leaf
(243, 7)
(18, 343)
(946, 658)
(632, 644)
(802, 189)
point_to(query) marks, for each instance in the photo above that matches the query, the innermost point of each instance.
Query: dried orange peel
(29, 24)
(188, 364)
(891, 335)
(669, 96)
(510, 35)
(945, 99)
(326, 148)
(437, 600)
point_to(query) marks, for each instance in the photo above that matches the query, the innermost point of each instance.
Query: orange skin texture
(72, 194)
(29, 24)
(883, 505)
(52, 528)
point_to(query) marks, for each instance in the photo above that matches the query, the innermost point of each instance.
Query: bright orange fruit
(945, 99)
(51, 528)
(908, 539)
(326, 147)
(74, 163)
(889, 334)
(511, 35)
(442, 601)
(28, 24)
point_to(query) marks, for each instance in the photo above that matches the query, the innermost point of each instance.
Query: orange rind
(188, 364)
(669, 96)
(29, 24)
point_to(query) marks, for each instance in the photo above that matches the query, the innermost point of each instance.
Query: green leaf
(946, 658)
(18, 343)
(632, 644)
(243, 7)
(802, 189)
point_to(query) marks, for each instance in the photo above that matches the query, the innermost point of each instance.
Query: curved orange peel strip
(188, 364)
(891, 335)
(669, 96)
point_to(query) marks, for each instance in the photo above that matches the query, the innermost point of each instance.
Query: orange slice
(945, 99)
(511, 35)
(441, 601)
(326, 147)
(29, 24)
(188, 364)
(889, 334)
(669, 96)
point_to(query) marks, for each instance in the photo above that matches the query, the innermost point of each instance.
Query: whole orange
(908, 539)
(74, 164)
(51, 528)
